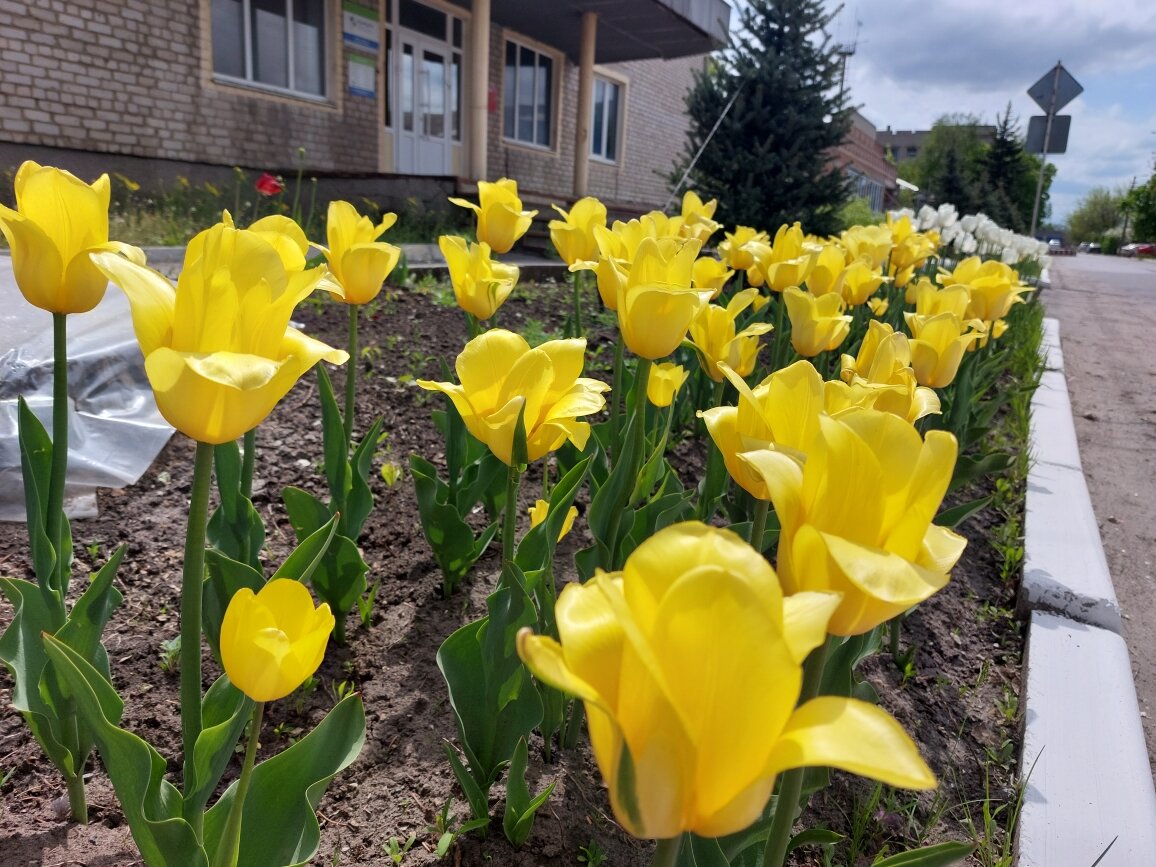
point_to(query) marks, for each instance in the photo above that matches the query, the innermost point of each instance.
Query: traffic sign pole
(1051, 113)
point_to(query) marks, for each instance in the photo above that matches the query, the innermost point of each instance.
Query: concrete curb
(1084, 757)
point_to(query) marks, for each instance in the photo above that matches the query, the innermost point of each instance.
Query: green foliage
(1140, 205)
(518, 820)
(1097, 214)
(857, 212)
(767, 162)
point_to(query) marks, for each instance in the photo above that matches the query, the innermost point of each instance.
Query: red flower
(268, 185)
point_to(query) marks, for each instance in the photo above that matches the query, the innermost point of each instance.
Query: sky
(916, 60)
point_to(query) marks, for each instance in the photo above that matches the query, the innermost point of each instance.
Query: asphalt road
(1107, 311)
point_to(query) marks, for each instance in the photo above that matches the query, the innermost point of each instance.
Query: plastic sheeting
(114, 428)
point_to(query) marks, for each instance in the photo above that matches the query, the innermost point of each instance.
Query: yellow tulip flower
(657, 301)
(930, 300)
(937, 347)
(573, 235)
(781, 412)
(271, 641)
(698, 217)
(664, 382)
(817, 324)
(480, 284)
(219, 351)
(501, 220)
(858, 283)
(713, 334)
(617, 247)
(541, 510)
(881, 378)
(872, 243)
(878, 306)
(826, 271)
(287, 238)
(910, 251)
(358, 262)
(787, 262)
(740, 247)
(58, 221)
(993, 287)
(857, 516)
(710, 274)
(502, 377)
(689, 662)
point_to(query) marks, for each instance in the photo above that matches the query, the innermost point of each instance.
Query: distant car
(1138, 248)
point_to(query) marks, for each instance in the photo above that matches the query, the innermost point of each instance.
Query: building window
(278, 44)
(604, 125)
(528, 96)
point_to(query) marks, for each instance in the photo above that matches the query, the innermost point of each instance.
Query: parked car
(1089, 247)
(1138, 248)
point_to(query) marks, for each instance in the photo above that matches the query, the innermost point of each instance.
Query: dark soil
(957, 701)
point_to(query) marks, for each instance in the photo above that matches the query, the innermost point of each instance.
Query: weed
(994, 844)
(396, 849)
(6, 777)
(301, 694)
(1008, 705)
(171, 655)
(94, 549)
(592, 854)
(391, 473)
(536, 333)
(365, 603)
(447, 832)
(341, 690)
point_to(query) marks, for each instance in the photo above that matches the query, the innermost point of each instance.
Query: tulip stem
(616, 401)
(791, 783)
(192, 589)
(351, 376)
(666, 853)
(573, 725)
(58, 581)
(510, 519)
(230, 847)
(759, 524)
(248, 459)
(77, 801)
(577, 278)
(705, 505)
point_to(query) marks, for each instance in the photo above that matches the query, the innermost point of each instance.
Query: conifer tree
(768, 162)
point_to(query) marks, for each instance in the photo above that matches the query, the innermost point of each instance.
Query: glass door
(425, 128)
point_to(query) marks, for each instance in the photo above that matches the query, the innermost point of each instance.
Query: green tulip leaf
(967, 469)
(308, 554)
(306, 512)
(235, 528)
(518, 820)
(151, 804)
(359, 501)
(814, 837)
(335, 445)
(36, 466)
(279, 820)
(450, 538)
(339, 578)
(224, 712)
(536, 550)
(939, 855)
(955, 516)
(91, 613)
(475, 797)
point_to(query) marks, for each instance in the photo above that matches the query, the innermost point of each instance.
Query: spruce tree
(1010, 176)
(768, 162)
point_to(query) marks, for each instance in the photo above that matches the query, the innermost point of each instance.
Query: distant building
(863, 160)
(905, 144)
(385, 98)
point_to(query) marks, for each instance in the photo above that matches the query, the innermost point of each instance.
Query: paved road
(1107, 312)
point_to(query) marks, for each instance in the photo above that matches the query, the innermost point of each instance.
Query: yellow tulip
(857, 516)
(59, 220)
(739, 249)
(858, 283)
(714, 336)
(657, 302)
(878, 306)
(993, 287)
(781, 412)
(827, 270)
(219, 351)
(480, 284)
(502, 377)
(617, 247)
(664, 382)
(910, 251)
(271, 641)
(689, 662)
(358, 262)
(937, 347)
(573, 235)
(817, 324)
(710, 274)
(541, 510)
(501, 220)
(698, 217)
(930, 300)
(787, 262)
(872, 243)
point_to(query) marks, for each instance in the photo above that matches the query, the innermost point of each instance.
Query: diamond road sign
(1066, 89)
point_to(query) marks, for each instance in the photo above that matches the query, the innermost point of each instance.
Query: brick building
(395, 97)
(865, 162)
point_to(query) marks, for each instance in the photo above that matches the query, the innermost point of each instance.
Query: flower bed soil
(955, 702)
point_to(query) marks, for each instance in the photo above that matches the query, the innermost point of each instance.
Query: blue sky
(917, 60)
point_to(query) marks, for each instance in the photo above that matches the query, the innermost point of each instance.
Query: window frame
(619, 120)
(553, 107)
(330, 29)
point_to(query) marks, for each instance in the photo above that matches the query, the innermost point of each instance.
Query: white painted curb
(1084, 756)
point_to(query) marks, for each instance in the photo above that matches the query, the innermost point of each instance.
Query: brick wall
(652, 132)
(133, 77)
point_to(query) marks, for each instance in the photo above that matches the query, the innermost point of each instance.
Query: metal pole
(1044, 155)
(705, 142)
